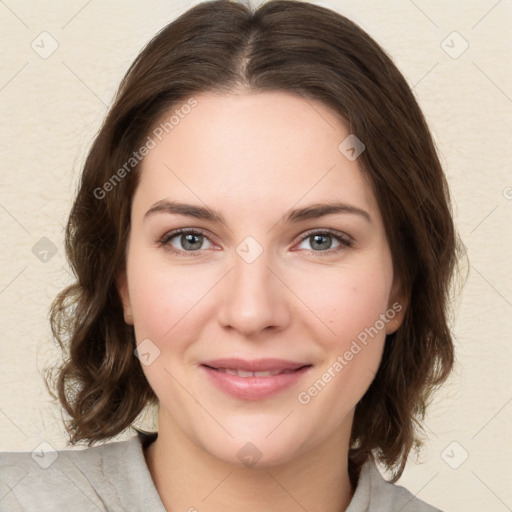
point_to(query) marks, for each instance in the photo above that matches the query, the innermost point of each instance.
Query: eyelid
(326, 231)
(164, 240)
(344, 239)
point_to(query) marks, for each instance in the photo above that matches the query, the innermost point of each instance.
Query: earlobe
(393, 325)
(122, 289)
(397, 307)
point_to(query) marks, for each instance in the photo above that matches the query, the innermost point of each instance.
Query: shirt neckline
(360, 501)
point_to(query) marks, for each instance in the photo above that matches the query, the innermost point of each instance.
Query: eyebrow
(313, 211)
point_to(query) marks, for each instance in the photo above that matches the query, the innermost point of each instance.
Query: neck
(189, 479)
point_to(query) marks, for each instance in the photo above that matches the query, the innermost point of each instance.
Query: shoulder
(375, 494)
(62, 480)
(99, 478)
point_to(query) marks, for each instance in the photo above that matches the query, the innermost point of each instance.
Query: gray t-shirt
(115, 478)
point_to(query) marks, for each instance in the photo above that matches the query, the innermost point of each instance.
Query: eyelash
(344, 240)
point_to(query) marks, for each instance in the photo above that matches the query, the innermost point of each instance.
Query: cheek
(351, 306)
(165, 298)
(170, 307)
(347, 302)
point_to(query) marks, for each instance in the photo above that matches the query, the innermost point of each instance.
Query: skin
(252, 157)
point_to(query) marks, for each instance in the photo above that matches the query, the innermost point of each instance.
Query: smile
(254, 380)
(244, 373)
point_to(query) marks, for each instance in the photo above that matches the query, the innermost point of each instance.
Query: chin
(251, 455)
(255, 445)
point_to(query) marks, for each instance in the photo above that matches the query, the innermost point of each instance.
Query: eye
(185, 240)
(322, 241)
(188, 241)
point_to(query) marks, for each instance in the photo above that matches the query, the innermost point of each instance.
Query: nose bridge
(252, 297)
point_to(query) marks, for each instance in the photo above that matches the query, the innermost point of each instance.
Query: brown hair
(293, 46)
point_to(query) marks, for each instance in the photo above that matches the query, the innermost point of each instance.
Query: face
(263, 272)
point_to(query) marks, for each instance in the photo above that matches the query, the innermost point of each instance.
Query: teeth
(244, 373)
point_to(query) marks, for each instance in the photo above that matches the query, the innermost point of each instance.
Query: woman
(263, 246)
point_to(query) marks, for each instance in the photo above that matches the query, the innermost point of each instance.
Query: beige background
(52, 107)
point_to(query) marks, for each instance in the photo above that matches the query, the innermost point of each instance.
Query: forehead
(265, 150)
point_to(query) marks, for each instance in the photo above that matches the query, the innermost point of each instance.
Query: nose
(253, 298)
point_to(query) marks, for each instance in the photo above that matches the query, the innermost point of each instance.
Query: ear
(122, 289)
(397, 306)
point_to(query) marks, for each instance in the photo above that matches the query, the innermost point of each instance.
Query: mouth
(245, 373)
(254, 380)
(255, 367)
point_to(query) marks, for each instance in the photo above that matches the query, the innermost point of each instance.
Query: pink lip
(254, 388)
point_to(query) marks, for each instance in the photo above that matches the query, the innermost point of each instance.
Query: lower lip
(254, 388)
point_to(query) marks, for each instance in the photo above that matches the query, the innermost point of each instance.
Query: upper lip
(256, 365)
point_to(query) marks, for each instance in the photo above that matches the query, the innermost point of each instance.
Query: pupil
(318, 239)
(189, 241)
